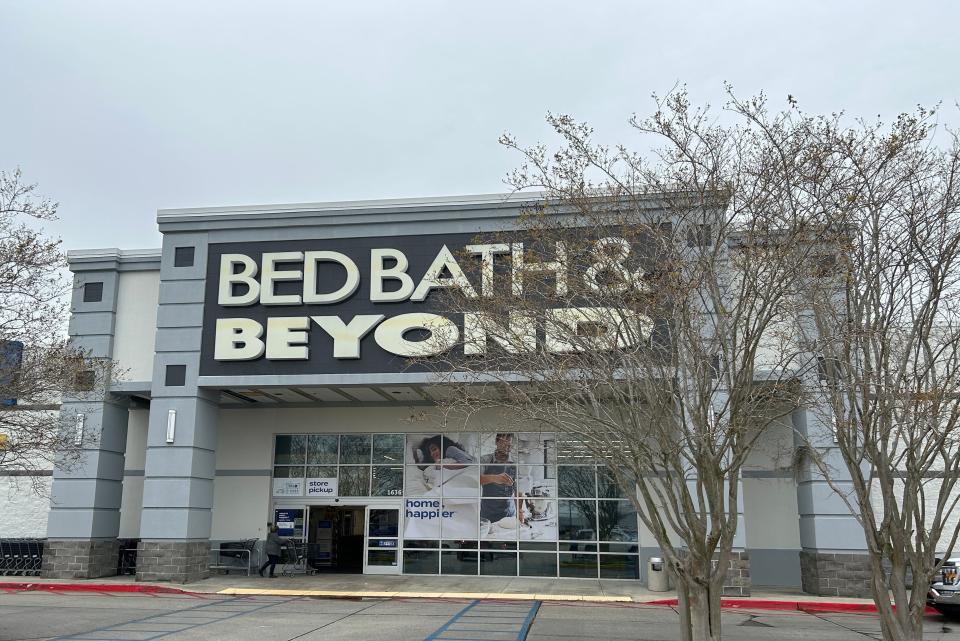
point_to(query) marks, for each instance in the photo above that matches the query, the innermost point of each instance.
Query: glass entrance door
(382, 550)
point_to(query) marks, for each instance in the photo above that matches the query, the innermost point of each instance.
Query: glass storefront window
(577, 482)
(422, 480)
(607, 487)
(354, 480)
(581, 566)
(578, 520)
(287, 472)
(617, 521)
(321, 471)
(381, 557)
(538, 564)
(498, 519)
(459, 518)
(420, 543)
(387, 480)
(322, 449)
(384, 523)
(421, 562)
(498, 563)
(388, 448)
(355, 448)
(492, 497)
(459, 562)
(460, 480)
(290, 450)
(619, 566)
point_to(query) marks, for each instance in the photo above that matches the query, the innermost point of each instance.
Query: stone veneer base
(80, 558)
(738, 581)
(828, 574)
(175, 561)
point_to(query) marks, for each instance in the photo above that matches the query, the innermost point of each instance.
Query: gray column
(178, 476)
(85, 496)
(833, 559)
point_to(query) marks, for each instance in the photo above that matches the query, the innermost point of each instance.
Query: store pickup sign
(362, 305)
(322, 487)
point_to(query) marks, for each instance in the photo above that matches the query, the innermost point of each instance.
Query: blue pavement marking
(478, 616)
(157, 619)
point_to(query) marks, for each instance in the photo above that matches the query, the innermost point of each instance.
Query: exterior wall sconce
(78, 429)
(171, 425)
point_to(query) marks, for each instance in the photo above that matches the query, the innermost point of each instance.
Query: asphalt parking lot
(143, 617)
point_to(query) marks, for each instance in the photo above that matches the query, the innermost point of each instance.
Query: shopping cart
(21, 557)
(293, 559)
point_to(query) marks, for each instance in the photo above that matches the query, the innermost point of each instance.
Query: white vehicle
(944, 594)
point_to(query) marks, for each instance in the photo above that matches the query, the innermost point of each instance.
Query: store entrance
(335, 538)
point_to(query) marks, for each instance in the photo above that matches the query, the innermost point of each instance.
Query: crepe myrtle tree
(644, 309)
(884, 321)
(37, 363)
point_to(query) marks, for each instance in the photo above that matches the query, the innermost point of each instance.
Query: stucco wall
(24, 512)
(132, 498)
(136, 323)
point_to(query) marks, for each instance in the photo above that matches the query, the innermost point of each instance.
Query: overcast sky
(120, 108)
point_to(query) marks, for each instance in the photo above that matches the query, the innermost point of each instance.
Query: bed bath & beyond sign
(258, 293)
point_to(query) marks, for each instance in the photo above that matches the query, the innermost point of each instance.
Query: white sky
(120, 108)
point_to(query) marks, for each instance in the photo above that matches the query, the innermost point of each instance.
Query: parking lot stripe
(487, 619)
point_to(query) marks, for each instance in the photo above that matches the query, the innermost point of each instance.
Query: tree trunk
(901, 620)
(699, 608)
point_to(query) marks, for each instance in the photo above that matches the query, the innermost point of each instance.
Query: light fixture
(171, 425)
(78, 431)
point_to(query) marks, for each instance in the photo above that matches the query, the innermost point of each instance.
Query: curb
(788, 606)
(731, 604)
(90, 587)
(493, 596)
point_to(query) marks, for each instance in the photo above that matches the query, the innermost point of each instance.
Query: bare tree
(645, 309)
(884, 321)
(37, 364)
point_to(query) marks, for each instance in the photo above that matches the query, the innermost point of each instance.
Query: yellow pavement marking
(426, 595)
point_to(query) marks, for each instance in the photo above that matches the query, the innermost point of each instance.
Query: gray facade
(190, 448)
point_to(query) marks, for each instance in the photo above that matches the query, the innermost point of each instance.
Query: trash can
(657, 575)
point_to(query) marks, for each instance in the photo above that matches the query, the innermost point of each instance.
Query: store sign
(321, 487)
(288, 487)
(362, 305)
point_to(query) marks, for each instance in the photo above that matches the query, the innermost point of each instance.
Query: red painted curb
(90, 587)
(801, 606)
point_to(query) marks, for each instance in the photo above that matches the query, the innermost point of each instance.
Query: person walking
(274, 544)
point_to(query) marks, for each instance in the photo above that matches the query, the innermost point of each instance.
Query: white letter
(610, 328)
(487, 253)
(558, 267)
(310, 260)
(443, 334)
(346, 338)
(520, 336)
(287, 338)
(246, 277)
(378, 274)
(237, 339)
(609, 255)
(270, 275)
(432, 278)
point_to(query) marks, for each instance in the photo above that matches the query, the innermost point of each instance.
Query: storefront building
(264, 377)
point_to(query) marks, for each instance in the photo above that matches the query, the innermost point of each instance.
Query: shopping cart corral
(234, 556)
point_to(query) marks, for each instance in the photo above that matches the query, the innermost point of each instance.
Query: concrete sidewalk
(450, 587)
